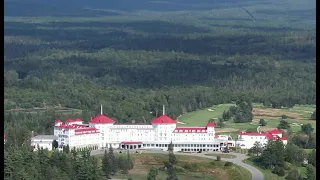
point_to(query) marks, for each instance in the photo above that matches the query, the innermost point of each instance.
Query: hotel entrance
(130, 145)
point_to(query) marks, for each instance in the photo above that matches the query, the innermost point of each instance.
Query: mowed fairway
(201, 117)
(298, 115)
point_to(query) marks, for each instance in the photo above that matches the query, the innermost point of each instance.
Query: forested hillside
(132, 62)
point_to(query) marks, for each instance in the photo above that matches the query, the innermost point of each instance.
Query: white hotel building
(102, 131)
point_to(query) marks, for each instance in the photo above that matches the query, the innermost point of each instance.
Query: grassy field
(222, 155)
(190, 168)
(201, 117)
(297, 116)
(242, 151)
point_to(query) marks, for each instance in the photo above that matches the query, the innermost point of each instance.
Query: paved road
(256, 174)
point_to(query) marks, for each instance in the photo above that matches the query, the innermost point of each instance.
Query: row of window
(181, 145)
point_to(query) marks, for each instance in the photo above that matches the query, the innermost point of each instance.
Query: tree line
(280, 158)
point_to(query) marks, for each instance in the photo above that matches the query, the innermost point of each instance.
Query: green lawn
(308, 150)
(201, 117)
(163, 175)
(222, 155)
(304, 110)
(242, 151)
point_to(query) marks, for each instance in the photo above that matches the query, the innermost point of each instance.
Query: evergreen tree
(170, 165)
(172, 157)
(312, 158)
(106, 164)
(226, 115)
(283, 124)
(220, 123)
(262, 122)
(293, 154)
(172, 175)
(307, 128)
(313, 116)
(273, 154)
(153, 173)
(243, 111)
(311, 172)
(293, 175)
(113, 160)
(129, 161)
(55, 144)
(67, 149)
(256, 149)
(123, 164)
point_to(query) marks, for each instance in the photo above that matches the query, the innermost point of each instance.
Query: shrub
(282, 172)
(228, 164)
(213, 163)
(218, 158)
(286, 166)
(191, 166)
(180, 169)
(276, 170)
(161, 169)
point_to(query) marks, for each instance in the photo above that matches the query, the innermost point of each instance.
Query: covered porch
(130, 145)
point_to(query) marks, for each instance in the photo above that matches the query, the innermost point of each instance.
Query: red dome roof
(102, 119)
(163, 119)
(275, 131)
(210, 124)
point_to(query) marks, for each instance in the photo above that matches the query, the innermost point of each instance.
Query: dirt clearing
(269, 112)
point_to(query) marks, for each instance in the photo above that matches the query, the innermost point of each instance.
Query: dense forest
(133, 62)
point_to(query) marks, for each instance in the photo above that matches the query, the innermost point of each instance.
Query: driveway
(256, 174)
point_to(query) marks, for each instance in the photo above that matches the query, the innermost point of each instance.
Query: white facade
(104, 132)
(43, 142)
(75, 134)
(246, 140)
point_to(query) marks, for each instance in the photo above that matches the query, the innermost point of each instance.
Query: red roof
(271, 137)
(190, 130)
(102, 119)
(72, 126)
(163, 119)
(275, 131)
(85, 129)
(284, 138)
(210, 124)
(131, 142)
